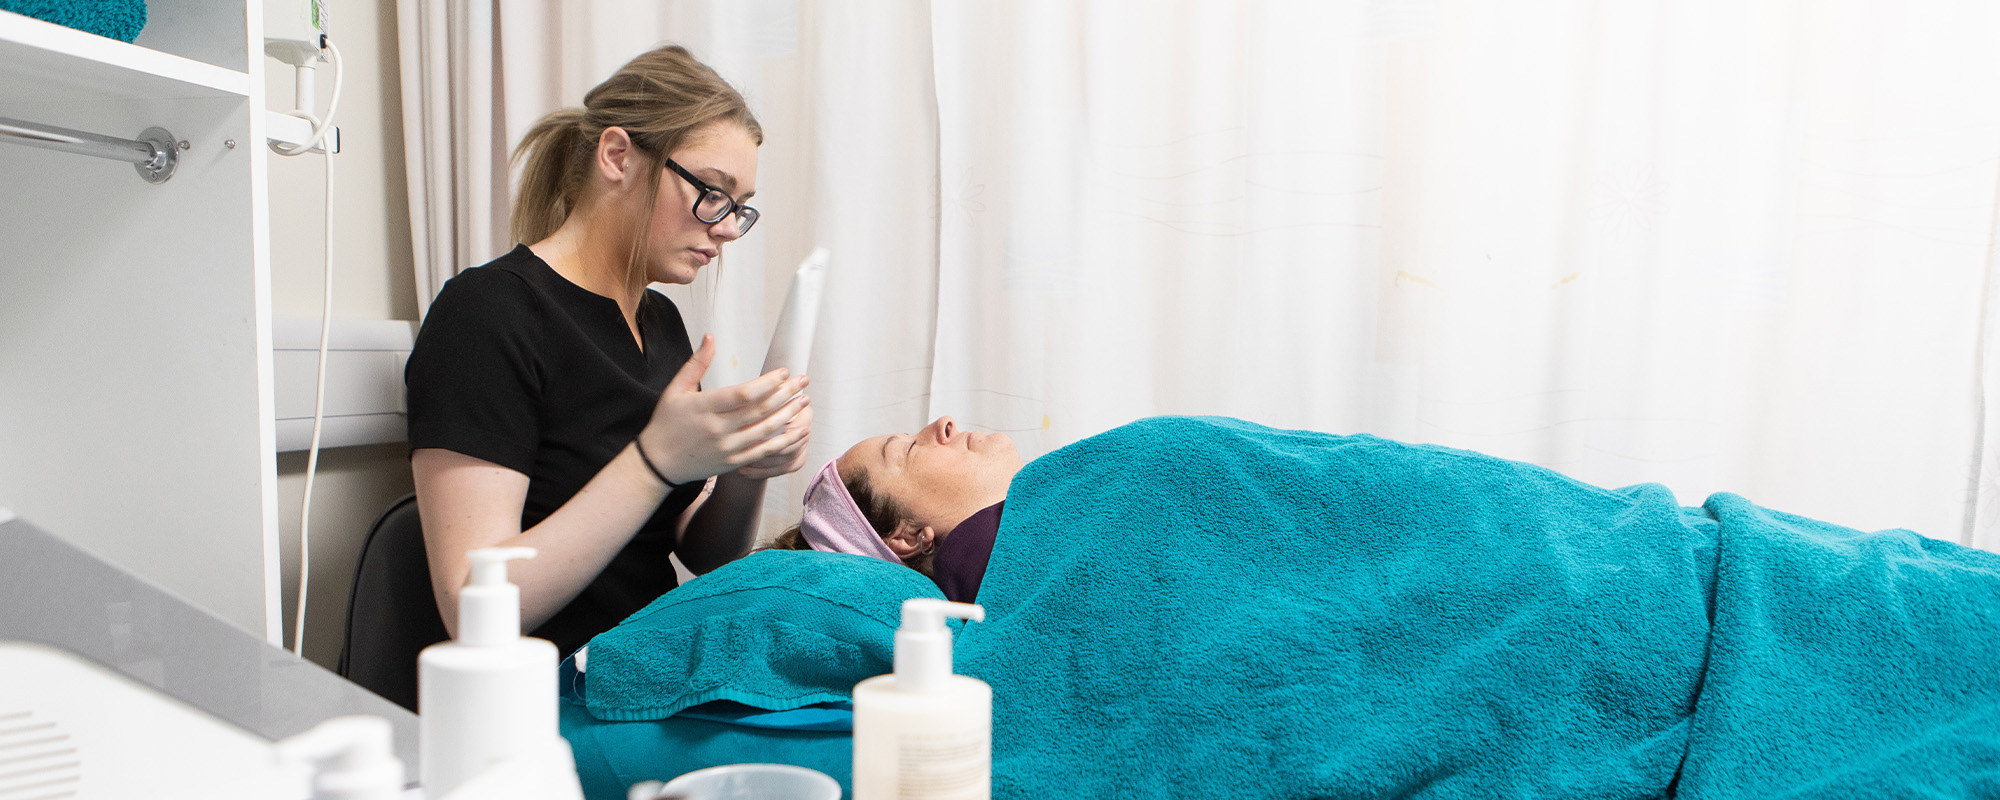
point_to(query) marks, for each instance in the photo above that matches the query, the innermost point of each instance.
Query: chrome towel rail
(154, 154)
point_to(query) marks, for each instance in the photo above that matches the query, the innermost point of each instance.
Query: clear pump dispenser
(921, 731)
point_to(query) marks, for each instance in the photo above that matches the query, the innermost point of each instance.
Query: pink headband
(834, 524)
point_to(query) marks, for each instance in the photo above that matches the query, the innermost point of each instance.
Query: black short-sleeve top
(518, 366)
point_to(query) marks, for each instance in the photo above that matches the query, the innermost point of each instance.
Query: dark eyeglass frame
(745, 215)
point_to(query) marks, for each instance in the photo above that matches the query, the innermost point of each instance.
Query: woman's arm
(467, 503)
(722, 526)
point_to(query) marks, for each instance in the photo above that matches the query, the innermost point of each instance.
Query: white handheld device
(791, 344)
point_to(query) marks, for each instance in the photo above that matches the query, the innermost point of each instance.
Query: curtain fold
(453, 144)
(1721, 247)
(1982, 518)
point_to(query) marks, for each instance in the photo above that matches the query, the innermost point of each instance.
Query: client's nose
(945, 428)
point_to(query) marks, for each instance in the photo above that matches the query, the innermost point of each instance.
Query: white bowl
(743, 782)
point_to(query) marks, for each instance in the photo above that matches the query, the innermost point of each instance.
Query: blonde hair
(659, 98)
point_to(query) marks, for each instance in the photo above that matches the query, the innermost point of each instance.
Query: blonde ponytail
(556, 159)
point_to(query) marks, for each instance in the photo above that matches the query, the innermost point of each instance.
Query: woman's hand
(787, 460)
(695, 434)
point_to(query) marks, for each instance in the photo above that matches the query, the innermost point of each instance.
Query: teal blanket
(1196, 607)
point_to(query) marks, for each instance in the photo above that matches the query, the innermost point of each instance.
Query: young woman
(555, 402)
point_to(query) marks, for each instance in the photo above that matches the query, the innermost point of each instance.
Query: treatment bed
(1188, 607)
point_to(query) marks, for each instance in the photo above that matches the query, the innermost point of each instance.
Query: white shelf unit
(135, 347)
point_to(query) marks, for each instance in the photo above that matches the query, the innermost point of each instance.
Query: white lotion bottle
(923, 733)
(353, 756)
(489, 696)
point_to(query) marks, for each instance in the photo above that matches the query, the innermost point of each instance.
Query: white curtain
(1723, 246)
(454, 151)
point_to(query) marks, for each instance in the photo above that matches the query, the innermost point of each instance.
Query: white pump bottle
(490, 696)
(354, 758)
(923, 732)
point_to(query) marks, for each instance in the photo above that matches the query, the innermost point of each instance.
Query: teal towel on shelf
(1189, 607)
(116, 19)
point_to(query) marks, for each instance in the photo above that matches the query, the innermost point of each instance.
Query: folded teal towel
(776, 630)
(611, 756)
(116, 19)
(1193, 607)
(822, 717)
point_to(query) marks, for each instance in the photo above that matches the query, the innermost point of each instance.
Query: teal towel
(116, 19)
(1846, 664)
(611, 756)
(1190, 607)
(776, 630)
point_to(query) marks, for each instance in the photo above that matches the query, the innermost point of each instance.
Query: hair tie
(671, 486)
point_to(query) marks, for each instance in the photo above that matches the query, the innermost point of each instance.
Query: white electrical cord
(320, 127)
(319, 417)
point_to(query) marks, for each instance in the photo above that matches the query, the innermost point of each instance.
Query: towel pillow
(777, 630)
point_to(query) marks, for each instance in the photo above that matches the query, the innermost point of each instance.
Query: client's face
(941, 474)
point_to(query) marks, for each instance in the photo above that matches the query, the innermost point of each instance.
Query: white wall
(372, 280)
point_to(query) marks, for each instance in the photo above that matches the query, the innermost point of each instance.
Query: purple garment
(961, 557)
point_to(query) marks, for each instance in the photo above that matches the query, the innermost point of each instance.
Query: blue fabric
(1846, 664)
(116, 19)
(611, 756)
(1191, 607)
(752, 662)
(823, 717)
(776, 630)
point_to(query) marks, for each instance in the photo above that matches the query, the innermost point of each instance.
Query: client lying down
(1209, 607)
(930, 500)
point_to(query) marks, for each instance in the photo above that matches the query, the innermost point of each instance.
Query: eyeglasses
(714, 204)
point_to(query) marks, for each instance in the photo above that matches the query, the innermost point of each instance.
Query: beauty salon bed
(1191, 607)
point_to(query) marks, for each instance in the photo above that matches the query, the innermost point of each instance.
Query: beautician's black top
(961, 558)
(518, 366)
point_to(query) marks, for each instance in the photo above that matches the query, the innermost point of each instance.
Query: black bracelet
(656, 470)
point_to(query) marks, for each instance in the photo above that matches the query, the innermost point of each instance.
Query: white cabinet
(135, 350)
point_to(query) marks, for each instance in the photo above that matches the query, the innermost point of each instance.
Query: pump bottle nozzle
(353, 758)
(489, 608)
(923, 643)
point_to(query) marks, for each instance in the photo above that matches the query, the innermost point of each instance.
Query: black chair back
(392, 615)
